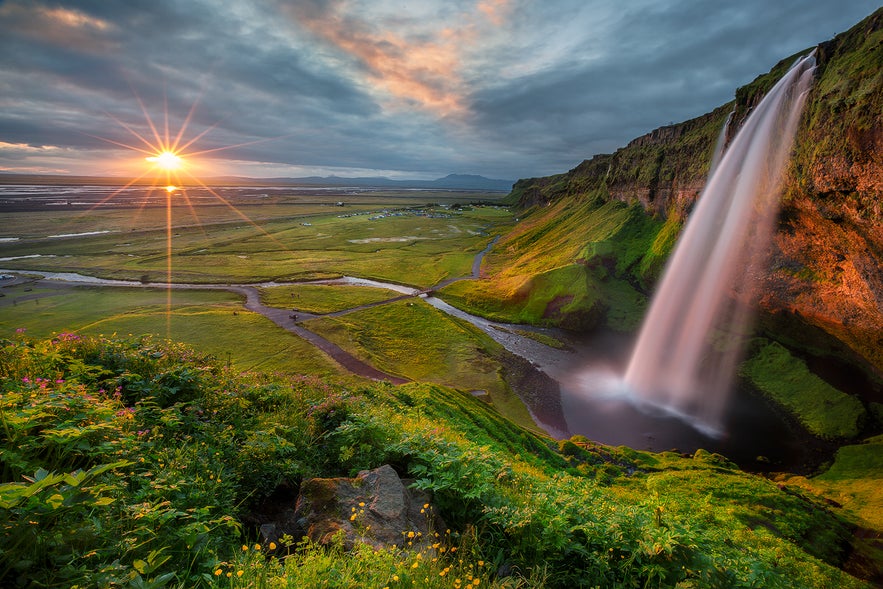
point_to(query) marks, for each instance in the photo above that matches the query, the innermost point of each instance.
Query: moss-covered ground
(127, 463)
(818, 406)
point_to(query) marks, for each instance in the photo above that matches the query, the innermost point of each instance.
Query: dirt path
(290, 320)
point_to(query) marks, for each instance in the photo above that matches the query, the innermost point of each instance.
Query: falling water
(687, 349)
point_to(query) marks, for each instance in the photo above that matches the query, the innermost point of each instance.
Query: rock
(376, 507)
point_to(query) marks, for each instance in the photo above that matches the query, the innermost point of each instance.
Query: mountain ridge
(449, 182)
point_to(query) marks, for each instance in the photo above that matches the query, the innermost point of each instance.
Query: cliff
(825, 277)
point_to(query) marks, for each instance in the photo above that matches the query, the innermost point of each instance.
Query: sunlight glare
(166, 160)
(171, 188)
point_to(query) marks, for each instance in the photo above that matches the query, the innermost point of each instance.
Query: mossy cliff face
(827, 259)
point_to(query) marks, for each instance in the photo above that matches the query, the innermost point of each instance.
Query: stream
(547, 379)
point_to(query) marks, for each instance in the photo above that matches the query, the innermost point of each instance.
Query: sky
(404, 89)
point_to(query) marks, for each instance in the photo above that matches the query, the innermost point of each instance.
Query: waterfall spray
(688, 347)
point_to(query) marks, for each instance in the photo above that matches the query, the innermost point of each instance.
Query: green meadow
(419, 246)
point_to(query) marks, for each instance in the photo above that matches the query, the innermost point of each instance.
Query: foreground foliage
(133, 463)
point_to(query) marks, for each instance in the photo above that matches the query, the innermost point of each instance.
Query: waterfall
(689, 344)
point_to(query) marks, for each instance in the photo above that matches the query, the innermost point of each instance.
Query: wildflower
(239, 573)
(272, 546)
(426, 506)
(361, 504)
(257, 546)
(395, 577)
(244, 548)
(475, 581)
(415, 565)
(481, 563)
(410, 534)
(229, 575)
(218, 572)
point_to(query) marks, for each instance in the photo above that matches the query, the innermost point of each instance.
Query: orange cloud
(494, 10)
(60, 26)
(422, 70)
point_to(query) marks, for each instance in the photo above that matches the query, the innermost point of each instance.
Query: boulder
(376, 507)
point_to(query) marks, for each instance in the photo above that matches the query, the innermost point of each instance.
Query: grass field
(414, 340)
(404, 240)
(211, 321)
(323, 298)
(418, 246)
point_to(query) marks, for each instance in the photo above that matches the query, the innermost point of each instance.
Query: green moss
(822, 409)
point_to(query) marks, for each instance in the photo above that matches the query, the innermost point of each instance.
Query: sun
(166, 160)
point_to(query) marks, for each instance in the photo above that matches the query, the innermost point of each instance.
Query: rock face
(828, 254)
(376, 507)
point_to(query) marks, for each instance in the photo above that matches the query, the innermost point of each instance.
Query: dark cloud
(504, 88)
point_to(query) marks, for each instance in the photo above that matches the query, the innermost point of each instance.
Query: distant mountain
(449, 182)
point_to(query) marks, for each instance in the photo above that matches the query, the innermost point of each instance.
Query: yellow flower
(415, 565)
(395, 577)
(244, 548)
(272, 546)
(410, 534)
(218, 572)
(257, 546)
(475, 581)
(361, 504)
(481, 563)
(240, 573)
(426, 506)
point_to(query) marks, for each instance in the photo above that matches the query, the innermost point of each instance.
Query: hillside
(592, 241)
(129, 463)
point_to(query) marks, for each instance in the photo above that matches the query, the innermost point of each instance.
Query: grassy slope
(414, 340)
(570, 264)
(164, 487)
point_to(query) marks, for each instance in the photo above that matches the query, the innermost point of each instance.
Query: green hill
(133, 464)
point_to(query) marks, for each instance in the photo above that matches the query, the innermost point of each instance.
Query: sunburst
(169, 159)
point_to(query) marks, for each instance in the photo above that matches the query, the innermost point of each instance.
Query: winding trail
(534, 352)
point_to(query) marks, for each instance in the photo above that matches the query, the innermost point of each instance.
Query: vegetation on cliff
(574, 262)
(134, 464)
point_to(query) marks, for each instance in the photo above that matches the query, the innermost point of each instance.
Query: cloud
(413, 64)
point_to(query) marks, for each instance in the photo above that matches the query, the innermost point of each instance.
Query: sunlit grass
(413, 339)
(409, 249)
(323, 298)
(179, 448)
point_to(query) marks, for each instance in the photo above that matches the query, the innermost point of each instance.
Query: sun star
(166, 160)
